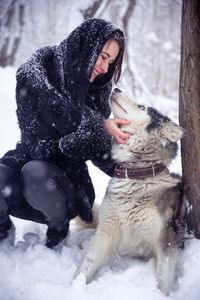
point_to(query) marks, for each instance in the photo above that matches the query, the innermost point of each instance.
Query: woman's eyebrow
(106, 53)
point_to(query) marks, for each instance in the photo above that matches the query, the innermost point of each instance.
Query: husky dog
(142, 214)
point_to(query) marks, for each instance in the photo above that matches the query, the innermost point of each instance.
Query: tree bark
(9, 41)
(189, 110)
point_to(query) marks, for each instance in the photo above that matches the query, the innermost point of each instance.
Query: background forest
(30, 271)
(152, 29)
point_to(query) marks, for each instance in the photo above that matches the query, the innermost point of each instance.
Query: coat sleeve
(57, 111)
(35, 90)
(90, 141)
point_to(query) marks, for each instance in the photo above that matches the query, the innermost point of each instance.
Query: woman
(62, 108)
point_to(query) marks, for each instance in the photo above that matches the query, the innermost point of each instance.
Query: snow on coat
(60, 113)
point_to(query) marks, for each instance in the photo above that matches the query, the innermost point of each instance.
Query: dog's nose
(116, 90)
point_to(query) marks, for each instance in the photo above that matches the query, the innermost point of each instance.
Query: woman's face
(107, 56)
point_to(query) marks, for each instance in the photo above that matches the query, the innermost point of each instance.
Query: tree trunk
(190, 110)
(11, 16)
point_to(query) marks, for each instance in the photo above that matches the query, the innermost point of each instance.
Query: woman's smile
(95, 72)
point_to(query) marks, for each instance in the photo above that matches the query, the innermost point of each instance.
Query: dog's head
(154, 135)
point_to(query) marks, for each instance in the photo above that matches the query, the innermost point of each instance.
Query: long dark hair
(116, 67)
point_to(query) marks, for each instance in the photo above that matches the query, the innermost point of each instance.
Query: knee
(33, 175)
(34, 172)
(38, 176)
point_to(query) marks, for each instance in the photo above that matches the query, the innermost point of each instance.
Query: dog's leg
(166, 263)
(98, 253)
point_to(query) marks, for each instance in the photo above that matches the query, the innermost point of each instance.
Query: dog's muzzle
(116, 90)
(113, 95)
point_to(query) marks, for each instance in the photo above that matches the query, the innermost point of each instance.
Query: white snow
(30, 271)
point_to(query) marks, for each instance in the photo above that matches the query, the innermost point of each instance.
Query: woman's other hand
(112, 127)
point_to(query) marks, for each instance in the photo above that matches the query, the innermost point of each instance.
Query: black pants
(42, 193)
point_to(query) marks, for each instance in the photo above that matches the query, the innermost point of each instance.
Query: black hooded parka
(60, 113)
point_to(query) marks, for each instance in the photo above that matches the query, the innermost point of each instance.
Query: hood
(76, 56)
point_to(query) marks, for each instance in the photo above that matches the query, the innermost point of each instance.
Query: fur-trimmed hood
(68, 66)
(75, 57)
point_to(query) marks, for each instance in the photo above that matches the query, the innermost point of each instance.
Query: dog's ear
(170, 131)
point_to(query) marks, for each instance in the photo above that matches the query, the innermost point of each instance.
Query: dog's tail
(81, 225)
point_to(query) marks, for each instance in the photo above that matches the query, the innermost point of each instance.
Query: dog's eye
(141, 107)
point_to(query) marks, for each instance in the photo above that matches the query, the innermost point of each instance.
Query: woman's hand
(112, 127)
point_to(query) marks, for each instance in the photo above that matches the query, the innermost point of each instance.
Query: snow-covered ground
(30, 271)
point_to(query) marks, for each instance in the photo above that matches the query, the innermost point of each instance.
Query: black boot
(7, 232)
(8, 192)
(55, 236)
(4, 229)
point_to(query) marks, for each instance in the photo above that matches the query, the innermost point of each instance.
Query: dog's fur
(141, 217)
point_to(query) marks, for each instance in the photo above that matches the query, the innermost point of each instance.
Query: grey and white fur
(141, 218)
